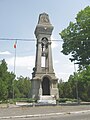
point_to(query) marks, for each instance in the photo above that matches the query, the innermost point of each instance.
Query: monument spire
(44, 81)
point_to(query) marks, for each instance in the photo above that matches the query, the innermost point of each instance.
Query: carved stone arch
(46, 82)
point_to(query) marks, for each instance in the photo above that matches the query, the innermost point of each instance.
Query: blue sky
(18, 19)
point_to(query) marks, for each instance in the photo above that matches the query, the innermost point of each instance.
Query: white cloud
(54, 44)
(26, 61)
(5, 53)
(62, 75)
(56, 61)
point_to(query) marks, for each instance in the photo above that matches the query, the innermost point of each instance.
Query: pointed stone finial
(44, 19)
(44, 26)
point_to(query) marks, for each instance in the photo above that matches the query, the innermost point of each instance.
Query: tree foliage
(78, 82)
(8, 83)
(22, 87)
(6, 79)
(76, 38)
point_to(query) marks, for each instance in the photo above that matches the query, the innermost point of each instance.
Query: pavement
(14, 111)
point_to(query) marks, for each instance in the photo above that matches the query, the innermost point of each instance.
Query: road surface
(79, 116)
(81, 112)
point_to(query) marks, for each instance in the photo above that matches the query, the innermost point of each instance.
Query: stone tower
(44, 81)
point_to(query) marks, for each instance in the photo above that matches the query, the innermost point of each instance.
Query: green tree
(10, 81)
(76, 38)
(6, 79)
(81, 81)
(65, 90)
(61, 89)
(3, 82)
(84, 84)
(22, 87)
(78, 86)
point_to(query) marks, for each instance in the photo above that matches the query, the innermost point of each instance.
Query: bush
(29, 100)
(64, 100)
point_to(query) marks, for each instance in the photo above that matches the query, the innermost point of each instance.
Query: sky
(18, 19)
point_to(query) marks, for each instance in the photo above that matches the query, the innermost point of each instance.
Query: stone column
(50, 63)
(38, 58)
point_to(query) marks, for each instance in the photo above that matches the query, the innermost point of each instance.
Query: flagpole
(14, 64)
(15, 60)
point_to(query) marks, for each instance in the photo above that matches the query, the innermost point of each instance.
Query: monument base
(46, 99)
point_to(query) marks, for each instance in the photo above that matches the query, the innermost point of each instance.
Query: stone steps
(46, 99)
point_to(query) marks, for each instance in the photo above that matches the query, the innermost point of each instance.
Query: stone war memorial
(44, 81)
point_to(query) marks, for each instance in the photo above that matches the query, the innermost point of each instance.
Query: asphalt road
(79, 116)
(81, 112)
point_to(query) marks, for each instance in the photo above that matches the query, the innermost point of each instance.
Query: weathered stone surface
(44, 81)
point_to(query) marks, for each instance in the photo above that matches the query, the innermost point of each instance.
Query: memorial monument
(44, 81)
